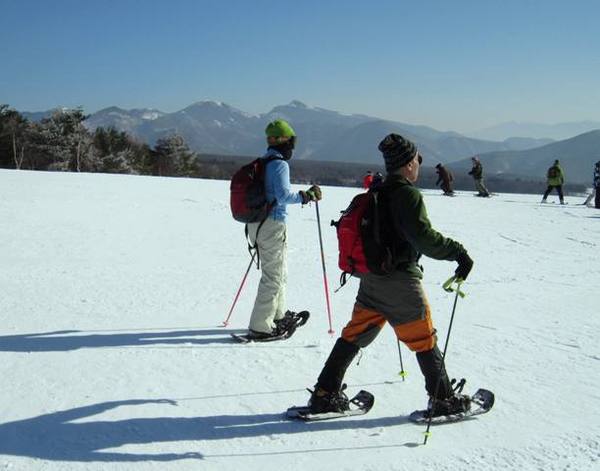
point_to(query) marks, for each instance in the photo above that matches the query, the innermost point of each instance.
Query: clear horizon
(462, 66)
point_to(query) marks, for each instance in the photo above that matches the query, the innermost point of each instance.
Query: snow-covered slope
(113, 289)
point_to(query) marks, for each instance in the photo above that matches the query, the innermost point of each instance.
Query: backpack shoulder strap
(270, 158)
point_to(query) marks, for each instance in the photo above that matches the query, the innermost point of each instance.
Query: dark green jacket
(477, 171)
(412, 232)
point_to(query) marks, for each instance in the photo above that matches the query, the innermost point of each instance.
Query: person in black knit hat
(398, 298)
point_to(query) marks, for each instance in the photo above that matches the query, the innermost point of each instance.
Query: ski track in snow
(114, 290)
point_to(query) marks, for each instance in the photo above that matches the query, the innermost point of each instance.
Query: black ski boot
(290, 322)
(455, 404)
(322, 401)
(452, 405)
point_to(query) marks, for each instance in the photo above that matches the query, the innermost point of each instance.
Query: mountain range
(558, 131)
(212, 127)
(217, 128)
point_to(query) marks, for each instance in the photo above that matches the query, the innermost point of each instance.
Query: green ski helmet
(279, 128)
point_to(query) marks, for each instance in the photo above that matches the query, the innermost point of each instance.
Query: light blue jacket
(277, 186)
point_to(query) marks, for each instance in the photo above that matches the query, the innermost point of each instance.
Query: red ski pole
(226, 321)
(330, 331)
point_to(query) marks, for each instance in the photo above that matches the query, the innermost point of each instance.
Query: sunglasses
(420, 159)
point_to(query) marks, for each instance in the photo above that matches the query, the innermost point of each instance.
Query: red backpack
(248, 199)
(363, 240)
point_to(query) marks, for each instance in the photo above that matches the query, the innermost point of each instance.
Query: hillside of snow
(113, 290)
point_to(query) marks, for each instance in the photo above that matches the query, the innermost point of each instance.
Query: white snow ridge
(151, 115)
(112, 355)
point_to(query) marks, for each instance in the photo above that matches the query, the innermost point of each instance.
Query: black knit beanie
(397, 151)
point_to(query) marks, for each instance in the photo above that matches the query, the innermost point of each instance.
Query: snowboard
(481, 402)
(301, 319)
(359, 405)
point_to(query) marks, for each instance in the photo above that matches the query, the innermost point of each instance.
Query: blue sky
(459, 65)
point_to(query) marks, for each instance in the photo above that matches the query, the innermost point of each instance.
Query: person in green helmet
(269, 316)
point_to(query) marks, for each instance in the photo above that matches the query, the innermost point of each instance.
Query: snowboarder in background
(446, 178)
(367, 180)
(377, 181)
(556, 179)
(397, 298)
(595, 194)
(269, 317)
(477, 173)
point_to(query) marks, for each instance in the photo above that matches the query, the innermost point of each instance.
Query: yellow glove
(312, 194)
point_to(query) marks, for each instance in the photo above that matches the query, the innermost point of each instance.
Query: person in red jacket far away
(367, 180)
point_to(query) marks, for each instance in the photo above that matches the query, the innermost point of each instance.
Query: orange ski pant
(365, 325)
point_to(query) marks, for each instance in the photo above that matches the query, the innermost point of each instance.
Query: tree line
(61, 142)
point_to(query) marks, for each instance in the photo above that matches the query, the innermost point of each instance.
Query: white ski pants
(272, 249)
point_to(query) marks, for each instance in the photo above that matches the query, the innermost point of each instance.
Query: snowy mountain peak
(111, 109)
(298, 104)
(151, 115)
(209, 104)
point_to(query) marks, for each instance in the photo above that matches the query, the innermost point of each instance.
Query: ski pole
(447, 287)
(402, 372)
(330, 331)
(226, 321)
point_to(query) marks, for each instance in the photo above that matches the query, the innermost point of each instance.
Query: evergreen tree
(13, 137)
(173, 157)
(64, 138)
(113, 150)
(120, 153)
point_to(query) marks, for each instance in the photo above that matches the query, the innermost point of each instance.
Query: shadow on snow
(56, 437)
(66, 340)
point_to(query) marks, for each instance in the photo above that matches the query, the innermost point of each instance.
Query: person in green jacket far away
(556, 179)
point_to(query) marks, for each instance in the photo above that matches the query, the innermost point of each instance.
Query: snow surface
(114, 287)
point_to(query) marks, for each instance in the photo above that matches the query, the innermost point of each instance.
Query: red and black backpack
(365, 237)
(248, 199)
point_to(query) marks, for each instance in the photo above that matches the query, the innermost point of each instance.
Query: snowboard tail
(359, 405)
(481, 402)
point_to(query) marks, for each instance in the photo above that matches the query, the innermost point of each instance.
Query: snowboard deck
(359, 405)
(302, 318)
(481, 402)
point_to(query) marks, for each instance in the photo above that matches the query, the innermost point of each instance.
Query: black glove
(312, 194)
(465, 263)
